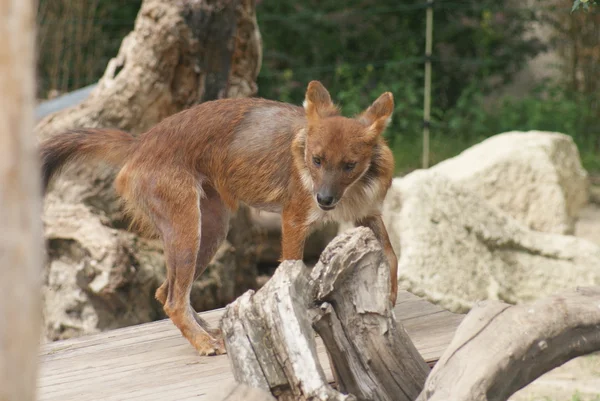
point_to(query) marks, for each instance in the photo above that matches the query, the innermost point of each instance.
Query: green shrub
(548, 108)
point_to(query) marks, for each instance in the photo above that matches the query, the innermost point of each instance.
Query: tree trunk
(179, 54)
(20, 206)
(271, 344)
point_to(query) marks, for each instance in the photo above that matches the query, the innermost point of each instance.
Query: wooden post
(372, 356)
(427, 97)
(20, 205)
(270, 341)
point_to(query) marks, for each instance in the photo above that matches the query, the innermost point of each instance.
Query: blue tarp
(62, 102)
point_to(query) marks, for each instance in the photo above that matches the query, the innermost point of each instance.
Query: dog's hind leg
(192, 221)
(213, 231)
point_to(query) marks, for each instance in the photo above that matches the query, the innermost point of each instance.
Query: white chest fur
(360, 200)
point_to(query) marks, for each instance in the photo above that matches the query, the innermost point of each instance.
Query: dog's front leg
(294, 229)
(375, 223)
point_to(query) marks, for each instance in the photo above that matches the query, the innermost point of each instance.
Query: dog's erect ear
(378, 116)
(317, 102)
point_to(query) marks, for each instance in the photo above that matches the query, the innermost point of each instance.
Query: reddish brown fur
(185, 176)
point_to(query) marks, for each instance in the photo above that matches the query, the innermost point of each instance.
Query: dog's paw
(212, 350)
(211, 346)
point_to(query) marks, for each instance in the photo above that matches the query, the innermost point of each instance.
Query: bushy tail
(110, 146)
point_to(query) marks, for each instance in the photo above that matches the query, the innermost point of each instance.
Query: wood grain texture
(270, 341)
(500, 348)
(271, 344)
(20, 205)
(237, 392)
(153, 362)
(373, 356)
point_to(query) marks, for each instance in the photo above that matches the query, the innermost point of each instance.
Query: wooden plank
(238, 391)
(153, 361)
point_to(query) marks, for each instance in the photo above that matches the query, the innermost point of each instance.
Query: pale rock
(455, 248)
(534, 176)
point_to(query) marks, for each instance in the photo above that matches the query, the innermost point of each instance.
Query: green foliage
(549, 108)
(360, 49)
(355, 92)
(585, 4)
(308, 40)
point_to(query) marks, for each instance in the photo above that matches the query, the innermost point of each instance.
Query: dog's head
(338, 150)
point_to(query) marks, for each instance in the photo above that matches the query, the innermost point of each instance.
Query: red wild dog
(185, 176)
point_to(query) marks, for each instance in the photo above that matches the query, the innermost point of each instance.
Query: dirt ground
(578, 379)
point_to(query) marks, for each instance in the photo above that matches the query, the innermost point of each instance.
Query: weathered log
(270, 341)
(499, 349)
(271, 345)
(372, 356)
(180, 53)
(20, 205)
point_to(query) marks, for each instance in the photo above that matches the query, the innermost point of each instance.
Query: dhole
(184, 177)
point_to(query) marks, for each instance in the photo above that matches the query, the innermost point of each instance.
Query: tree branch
(499, 349)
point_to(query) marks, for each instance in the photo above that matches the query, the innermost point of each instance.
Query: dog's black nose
(324, 200)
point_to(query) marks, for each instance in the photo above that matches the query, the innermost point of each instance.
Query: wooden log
(20, 205)
(499, 349)
(270, 341)
(372, 356)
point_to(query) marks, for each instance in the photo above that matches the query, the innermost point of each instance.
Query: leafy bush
(552, 108)
(548, 108)
(360, 49)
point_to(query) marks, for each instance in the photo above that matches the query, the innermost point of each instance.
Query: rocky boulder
(536, 177)
(456, 248)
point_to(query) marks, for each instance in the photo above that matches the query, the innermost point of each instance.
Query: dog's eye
(349, 166)
(317, 160)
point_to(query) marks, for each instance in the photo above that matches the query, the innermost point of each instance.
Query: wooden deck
(153, 361)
